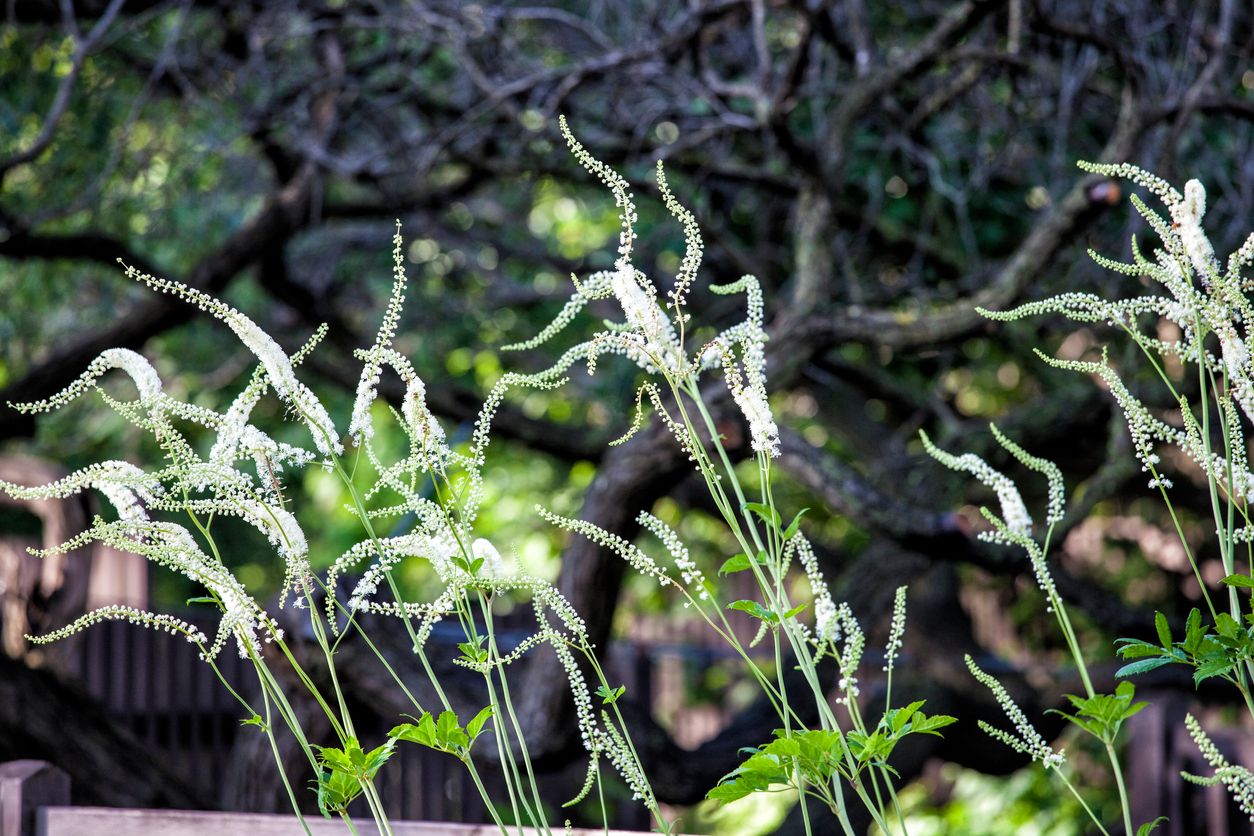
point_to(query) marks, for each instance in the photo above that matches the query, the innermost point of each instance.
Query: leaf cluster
(444, 733)
(1220, 653)
(344, 773)
(811, 760)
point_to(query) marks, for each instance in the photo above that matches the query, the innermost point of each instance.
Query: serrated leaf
(733, 791)
(1242, 581)
(608, 695)
(1135, 648)
(795, 525)
(475, 727)
(765, 513)
(929, 725)
(1226, 625)
(1193, 631)
(902, 716)
(754, 609)
(1143, 666)
(1164, 631)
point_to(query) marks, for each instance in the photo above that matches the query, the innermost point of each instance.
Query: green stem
(1123, 791)
(1084, 804)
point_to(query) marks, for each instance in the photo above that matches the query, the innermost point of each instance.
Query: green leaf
(795, 610)
(446, 725)
(204, 599)
(1135, 648)
(737, 563)
(422, 732)
(921, 724)
(1243, 581)
(1164, 631)
(1193, 631)
(378, 756)
(1211, 666)
(474, 650)
(899, 717)
(1143, 666)
(475, 727)
(1150, 826)
(795, 525)
(732, 791)
(754, 609)
(608, 695)
(1226, 625)
(766, 513)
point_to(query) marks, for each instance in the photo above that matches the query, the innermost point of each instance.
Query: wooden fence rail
(35, 798)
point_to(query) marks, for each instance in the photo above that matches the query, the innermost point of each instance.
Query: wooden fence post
(25, 786)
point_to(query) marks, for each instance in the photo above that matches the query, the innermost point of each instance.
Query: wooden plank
(105, 821)
(26, 786)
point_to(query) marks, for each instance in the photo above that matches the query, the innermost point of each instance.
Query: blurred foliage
(183, 123)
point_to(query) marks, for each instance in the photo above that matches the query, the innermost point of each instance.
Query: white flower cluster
(693, 246)
(1003, 532)
(360, 427)
(1026, 738)
(748, 381)
(653, 336)
(629, 552)
(896, 630)
(273, 359)
(1238, 779)
(1202, 298)
(173, 547)
(1013, 512)
(850, 658)
(827, 628)
(127, 487)
(689, 572)
(1057, 502)
(138, 617)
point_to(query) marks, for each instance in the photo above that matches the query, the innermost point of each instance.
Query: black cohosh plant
(1208, 373)
(168, 511)
(1099, 715)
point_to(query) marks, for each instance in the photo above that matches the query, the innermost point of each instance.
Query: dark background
(882, 168)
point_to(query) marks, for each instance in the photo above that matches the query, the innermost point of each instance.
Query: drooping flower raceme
(653, 335)
(1025, 739)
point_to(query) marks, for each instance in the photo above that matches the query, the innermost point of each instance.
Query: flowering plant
(1211, 313)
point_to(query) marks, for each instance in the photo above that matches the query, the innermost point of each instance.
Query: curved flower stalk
(1206, 299)
(1099, 715)
(274, 360)
(1238, 780)
(1025, 739)
(652, 335)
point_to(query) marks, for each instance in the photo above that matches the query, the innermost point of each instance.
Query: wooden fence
(35, 797)
(155, 686)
